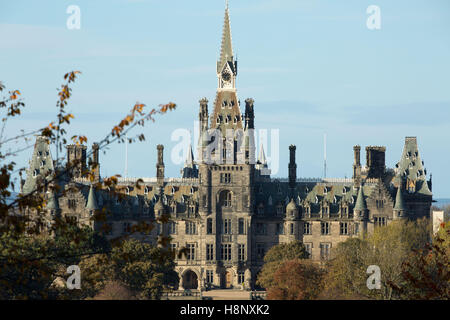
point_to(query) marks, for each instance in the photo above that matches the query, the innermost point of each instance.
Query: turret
(203, 115)
(376, 164)
(357, 166)
(399, 207)
(76, 160)
(94, 163)
(359, 213)
(91, 204)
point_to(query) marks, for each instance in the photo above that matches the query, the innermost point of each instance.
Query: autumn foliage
(296, 280)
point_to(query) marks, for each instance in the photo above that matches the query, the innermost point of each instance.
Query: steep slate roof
(40, 165)
(411, 167)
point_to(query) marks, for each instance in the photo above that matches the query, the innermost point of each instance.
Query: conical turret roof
(360, 202)
(399, 204)
(92, 201)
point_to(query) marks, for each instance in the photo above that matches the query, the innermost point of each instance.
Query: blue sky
(312, 67)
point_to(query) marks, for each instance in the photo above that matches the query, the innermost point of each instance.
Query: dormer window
(35, 172)
(192, 190)
(224, 103)
(172, 190)
(325, 190)
(344, 190)
(40, 153)
(235, 119)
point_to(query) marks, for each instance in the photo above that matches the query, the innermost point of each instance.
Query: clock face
(226, 76)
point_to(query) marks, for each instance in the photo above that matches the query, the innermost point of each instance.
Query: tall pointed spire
(190, 169)
(262, 156)
(226, 52)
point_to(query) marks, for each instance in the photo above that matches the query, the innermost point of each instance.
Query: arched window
(225, 199)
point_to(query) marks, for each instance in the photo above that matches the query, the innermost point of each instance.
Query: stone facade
(227, 210)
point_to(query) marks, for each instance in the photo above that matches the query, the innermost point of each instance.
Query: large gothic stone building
(226, 209)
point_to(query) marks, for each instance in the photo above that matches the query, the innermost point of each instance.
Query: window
(326, 210)
(226, 226)
(209, 252)
(308, 247)
(72, 203)
(379, 221)
(261, 228)
(190, 227)
(325, 228)
(225, 177)
(225, 252)
(380, 204)
(291, 228)
(209, 226)
(241, 252)
(325, 251)
(172, 227)
(260, 250)
(280, 228)
(209, 276)
(308, 211)
(356, 228)
(241, 226)
(344, 228)
(345, 211)
(190, 254)
(241, 277)
(307, 228)
(173, 247)
(226, 199)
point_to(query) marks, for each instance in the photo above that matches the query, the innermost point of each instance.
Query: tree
(31, 264)
(275, 257)
(296, 280)
(142, 268)
(387, 247)
(426, 273)
(32, 254)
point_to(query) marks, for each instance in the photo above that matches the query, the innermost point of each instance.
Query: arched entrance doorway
(190, 280)
(227, 280)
